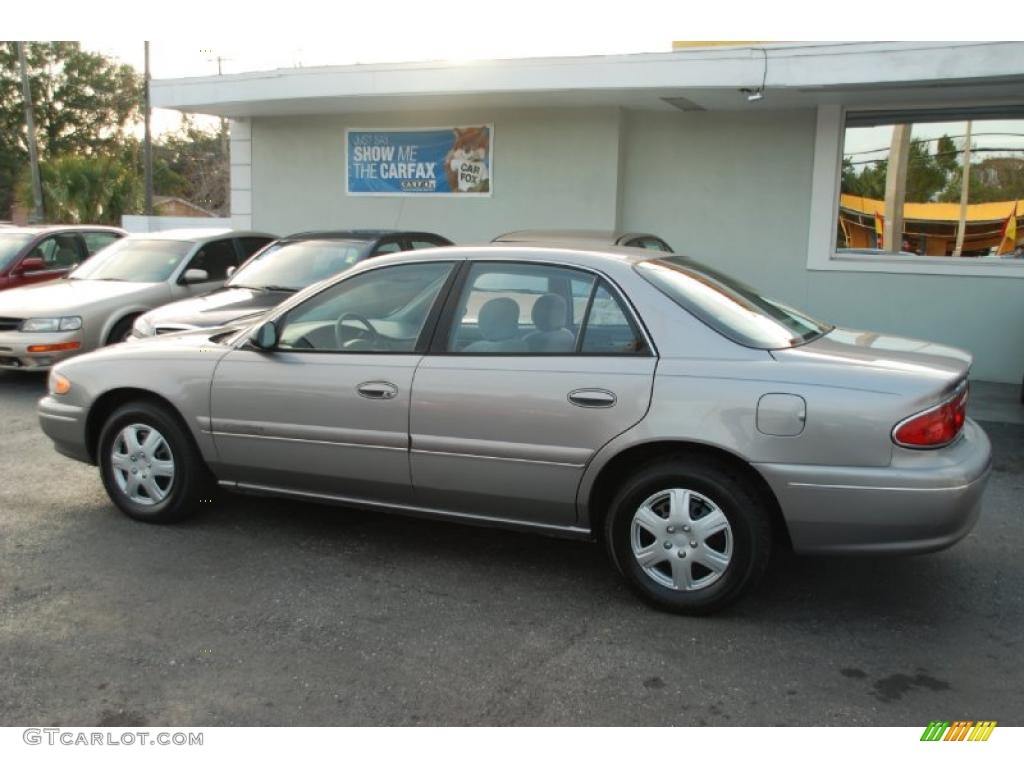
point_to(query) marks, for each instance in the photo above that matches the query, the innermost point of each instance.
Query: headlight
(51, 324)
(142, 327)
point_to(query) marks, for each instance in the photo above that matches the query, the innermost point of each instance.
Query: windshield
(735, 310)
(10, 244)
(297, 264)
(135, 261)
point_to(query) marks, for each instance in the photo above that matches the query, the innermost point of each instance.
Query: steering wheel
(338, 333)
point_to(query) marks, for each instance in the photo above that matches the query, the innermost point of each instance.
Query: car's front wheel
(689, 534)
(149, 466)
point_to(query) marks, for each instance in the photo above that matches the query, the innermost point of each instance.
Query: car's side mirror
(195, 276)
(231, 271)
(32, 264)
(265, 337)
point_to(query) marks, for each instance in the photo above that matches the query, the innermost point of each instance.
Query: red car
(35, 254)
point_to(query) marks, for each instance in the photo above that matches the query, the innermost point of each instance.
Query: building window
(902, 190)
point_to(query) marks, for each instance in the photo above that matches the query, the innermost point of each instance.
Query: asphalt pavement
(266, 612)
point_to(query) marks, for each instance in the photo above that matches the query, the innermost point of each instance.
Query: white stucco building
(666, 143)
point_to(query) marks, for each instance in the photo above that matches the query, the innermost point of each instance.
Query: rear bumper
(64, 424)
(924, 501)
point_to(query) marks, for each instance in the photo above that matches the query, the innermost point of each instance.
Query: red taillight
(935, 427)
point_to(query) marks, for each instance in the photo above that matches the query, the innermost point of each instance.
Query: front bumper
(64, 424)
(924, 501)
(15, 354)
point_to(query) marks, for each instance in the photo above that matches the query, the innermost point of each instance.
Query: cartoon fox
(465, 165)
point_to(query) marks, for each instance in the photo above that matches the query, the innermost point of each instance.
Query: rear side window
(95, 241)
(417, 243)
(650, 243)
(520, 309)
(250, 245)
(608, 329)
(388, 246)
(540, 309)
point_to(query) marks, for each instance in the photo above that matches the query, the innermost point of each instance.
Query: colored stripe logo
(959, 730)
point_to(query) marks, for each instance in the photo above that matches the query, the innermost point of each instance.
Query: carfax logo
(960, 730)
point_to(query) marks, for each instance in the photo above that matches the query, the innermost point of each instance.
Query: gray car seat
(550, 313)
(66, 256)
(498, 322)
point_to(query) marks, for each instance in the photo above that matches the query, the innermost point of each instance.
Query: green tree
(82, 189)
(993, 179)
(928, 174)
(193, 163)
(82, 102)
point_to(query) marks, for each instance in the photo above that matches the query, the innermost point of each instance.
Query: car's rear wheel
(149, 465)
(689, 534)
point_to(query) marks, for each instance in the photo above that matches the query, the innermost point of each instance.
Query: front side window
(215, 259)
(939, 183)
(520, 309)
(57, 252)
(135, 261)
(732, 308)
(383, 310)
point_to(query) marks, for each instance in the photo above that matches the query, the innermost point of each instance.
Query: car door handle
(377, 390)
(592, 398)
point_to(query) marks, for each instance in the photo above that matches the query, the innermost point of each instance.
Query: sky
(247, 37)
(172, 58)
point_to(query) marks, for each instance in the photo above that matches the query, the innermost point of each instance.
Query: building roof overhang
(795, 75)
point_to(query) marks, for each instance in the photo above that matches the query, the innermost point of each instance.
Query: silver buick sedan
(669, 411)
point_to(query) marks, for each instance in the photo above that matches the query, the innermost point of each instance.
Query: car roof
(357, 234)
(610, 236)
(37, 229)
(198, 234)
(585, 254)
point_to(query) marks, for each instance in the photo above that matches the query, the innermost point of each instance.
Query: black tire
(717, 482)
(122, 330)
(187, 490)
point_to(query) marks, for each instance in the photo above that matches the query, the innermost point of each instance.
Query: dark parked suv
(36, 254)
(279, 270)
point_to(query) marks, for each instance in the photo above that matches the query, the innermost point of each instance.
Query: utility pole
(965, 189)
(896, 187)
(147, 146)
(223, 120)
(33, 155)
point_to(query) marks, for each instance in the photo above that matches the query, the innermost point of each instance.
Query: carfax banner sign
(421, 161)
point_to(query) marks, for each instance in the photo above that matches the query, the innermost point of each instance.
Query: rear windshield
(732, 308)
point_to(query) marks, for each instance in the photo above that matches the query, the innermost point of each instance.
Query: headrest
(549, 312)
(499, 319)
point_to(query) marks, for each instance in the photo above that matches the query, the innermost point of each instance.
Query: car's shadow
(29, 382)
(858, 592)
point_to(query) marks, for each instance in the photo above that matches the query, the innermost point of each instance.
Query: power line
(937, 138)
(937, 154)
